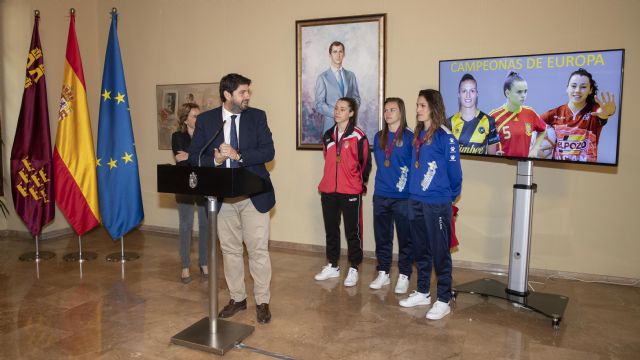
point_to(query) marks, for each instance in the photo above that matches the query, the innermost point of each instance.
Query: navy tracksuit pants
(387, 212)
(431, 237)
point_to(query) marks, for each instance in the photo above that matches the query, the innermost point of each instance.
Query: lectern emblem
(193, 180)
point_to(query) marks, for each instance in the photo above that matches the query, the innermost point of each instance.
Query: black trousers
(350, 207)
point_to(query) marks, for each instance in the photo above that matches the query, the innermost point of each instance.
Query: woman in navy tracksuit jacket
(435, 182)
(392, 148)
(346, 171)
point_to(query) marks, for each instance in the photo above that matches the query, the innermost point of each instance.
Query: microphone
(210, 141)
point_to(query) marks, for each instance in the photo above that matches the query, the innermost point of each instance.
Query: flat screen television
(561, 107)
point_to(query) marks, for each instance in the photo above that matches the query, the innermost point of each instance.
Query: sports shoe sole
(426, 302)
(326, 278)
(439, 316)
(375, 287)
(348, 284)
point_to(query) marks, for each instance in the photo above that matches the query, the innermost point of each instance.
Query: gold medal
(417, 165)
(338, 159)
(386, 163)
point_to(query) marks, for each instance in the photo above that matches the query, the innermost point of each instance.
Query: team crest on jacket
(527, 129)
(193, 181)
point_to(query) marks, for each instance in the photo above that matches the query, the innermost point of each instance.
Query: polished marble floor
(61, 310)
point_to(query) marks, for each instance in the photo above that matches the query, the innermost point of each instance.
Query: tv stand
(516, 291)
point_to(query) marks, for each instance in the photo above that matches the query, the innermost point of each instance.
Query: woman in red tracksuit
(346, 170)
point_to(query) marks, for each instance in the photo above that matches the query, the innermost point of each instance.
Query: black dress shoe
(203, 274)
(232, 308)
(185, 279)
(263, 314)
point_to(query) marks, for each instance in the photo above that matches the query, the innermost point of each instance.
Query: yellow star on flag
(127, 157)
(120, 97)
(98, 162)
(112, 163)
(106, 95)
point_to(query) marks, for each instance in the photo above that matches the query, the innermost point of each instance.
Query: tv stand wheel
(454, 295)
(556, 324)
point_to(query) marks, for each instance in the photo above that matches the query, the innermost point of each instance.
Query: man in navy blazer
(242, 139)
(334, 83)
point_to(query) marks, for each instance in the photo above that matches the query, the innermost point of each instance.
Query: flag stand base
(200, 337)
(81, 257)
(123, 257)
(33, 256)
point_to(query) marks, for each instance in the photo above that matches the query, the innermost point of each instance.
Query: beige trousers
(238, 222)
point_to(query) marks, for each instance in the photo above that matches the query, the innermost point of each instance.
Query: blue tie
(233, 139)
(341, 82)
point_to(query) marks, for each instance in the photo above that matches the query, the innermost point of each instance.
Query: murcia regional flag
(74, 160)
(31, 164)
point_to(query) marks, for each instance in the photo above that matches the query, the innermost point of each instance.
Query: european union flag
(118, 179)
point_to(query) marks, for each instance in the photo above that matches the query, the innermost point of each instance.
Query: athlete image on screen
(578, 123)
(522, 132)
(476, 131)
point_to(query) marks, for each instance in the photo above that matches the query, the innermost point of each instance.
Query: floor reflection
(112, 310)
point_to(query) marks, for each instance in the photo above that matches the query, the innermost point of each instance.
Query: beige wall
(583, 216)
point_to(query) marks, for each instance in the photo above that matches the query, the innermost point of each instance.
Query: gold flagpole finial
(36, 13)
(114, 11)
(72, 11)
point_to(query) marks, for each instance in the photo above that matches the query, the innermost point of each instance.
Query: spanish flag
(74, 160)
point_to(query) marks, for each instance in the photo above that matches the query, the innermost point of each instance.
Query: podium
(210, 333)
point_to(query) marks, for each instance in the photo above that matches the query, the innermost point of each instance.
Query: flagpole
(79, 255)
(38, 255)
(122, 256)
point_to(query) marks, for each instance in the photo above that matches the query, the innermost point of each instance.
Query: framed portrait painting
(338, 57)
(169, 99)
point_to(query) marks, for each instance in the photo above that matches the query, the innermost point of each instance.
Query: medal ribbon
(421, 141)
(389, 149)
(338, 144)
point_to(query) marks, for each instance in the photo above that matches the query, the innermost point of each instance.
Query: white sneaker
(380, 281)
(352, 277)
(328, 272)
(438, 310)
(416, 299)
(402, 285)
